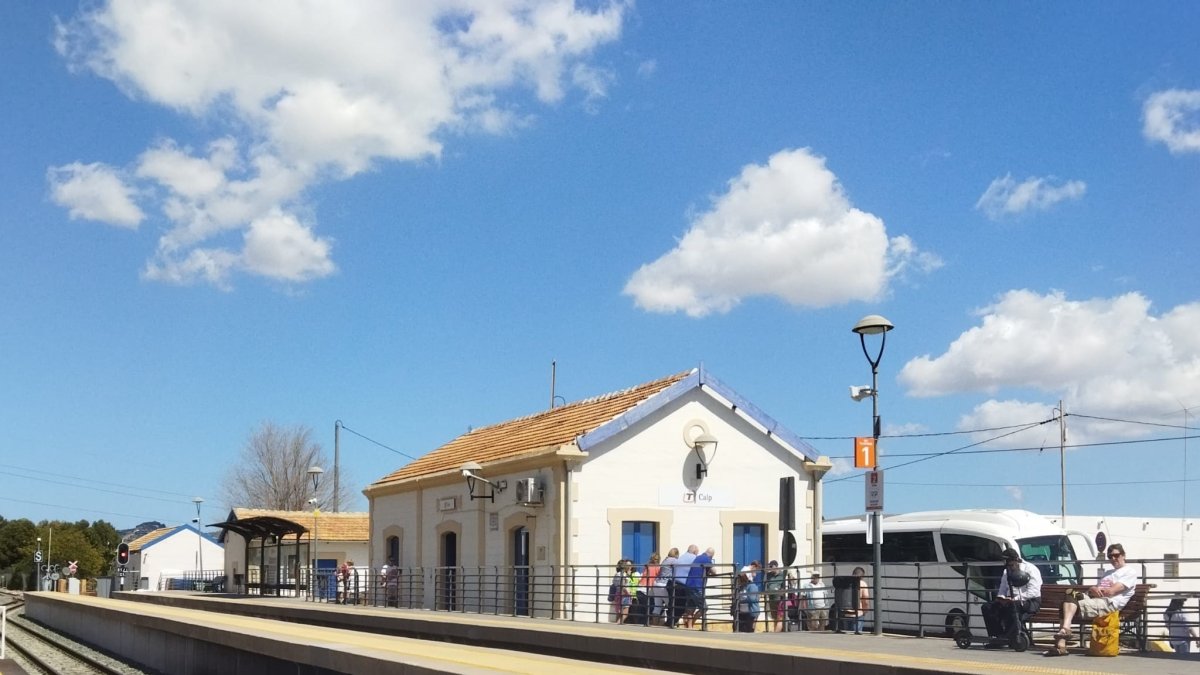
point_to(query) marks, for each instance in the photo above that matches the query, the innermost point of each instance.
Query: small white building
(681, 460)
(170, 552)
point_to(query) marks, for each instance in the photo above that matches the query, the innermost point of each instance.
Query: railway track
(40, 650)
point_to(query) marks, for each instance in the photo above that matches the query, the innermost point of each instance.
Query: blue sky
(398, 214)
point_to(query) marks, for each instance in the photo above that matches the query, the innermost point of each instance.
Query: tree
(17, 539)
(71, 544)
(272, 471)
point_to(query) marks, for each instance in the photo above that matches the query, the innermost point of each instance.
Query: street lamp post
(314, 472)
(199, 537)
(875, 325)
(37, 565)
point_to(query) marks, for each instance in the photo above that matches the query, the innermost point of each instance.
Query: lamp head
(872, 324)
(469, 468)
(314, 472)
(704, 440)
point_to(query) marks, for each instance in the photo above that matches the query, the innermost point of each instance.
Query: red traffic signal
(123, 554)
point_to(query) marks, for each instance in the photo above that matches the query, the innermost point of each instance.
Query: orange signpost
(864, 452)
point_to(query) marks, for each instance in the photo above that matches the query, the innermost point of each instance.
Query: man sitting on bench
(1019, 596)
(1115, 588)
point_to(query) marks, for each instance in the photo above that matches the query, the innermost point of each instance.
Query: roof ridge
(537, 432)
(585, 401)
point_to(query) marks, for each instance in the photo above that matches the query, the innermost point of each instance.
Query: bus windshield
(1055, 558)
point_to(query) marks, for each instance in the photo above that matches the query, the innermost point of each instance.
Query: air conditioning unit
(528, 491)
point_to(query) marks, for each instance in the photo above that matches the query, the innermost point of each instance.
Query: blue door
(639, 538)
(749, 543)
(326, 578)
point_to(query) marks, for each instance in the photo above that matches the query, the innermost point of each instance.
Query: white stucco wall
(178, 552)
(484, 528)
(651, 475)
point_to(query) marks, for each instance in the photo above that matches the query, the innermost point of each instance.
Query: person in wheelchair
(1019, 597)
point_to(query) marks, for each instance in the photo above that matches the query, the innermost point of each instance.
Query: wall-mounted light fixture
(697, 437)
(474, 480)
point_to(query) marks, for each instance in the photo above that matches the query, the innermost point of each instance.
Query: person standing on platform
(682, 599)
(696, 581)
(814, 601)
(666, 575)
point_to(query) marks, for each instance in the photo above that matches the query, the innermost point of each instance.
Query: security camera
(859, 393)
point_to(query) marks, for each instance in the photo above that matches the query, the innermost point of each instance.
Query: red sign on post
(864, 452)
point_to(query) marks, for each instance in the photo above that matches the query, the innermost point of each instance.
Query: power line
(951, 452)
(1149, 424)
(926, 434)
(1029, 448)
(372, 440)
(140, 488)
(88, 487)
(90, 510)
(932, 434)
(1055, 485)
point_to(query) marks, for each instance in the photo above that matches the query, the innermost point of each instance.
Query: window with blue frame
(639, 538)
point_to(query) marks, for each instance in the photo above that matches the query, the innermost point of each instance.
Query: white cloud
(784, 229)
(319, 90)
(94, 192)
(279, 246)
(1005, 196)
(1105, 356)
(906, 429)
(647, 68)
(1172, 117)
(841, 467)
(1017, 494)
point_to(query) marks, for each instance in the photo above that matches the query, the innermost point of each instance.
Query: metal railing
(924, 599)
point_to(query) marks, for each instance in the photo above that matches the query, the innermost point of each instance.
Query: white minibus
(940, 566)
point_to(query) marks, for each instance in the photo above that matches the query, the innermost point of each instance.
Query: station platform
(10, 667)
(337, 638)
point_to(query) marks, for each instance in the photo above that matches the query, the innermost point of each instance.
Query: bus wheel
(955, 621)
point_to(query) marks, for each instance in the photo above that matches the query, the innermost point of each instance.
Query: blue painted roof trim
(773, 427)
(638, 412)
(187, 527)
(699, 378)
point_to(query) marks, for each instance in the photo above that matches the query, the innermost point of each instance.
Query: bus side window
(908, 547)
(968, 548)
(854, 548)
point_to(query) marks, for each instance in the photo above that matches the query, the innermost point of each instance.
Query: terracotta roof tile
(149, 538)
(341, 526)
(525, 435)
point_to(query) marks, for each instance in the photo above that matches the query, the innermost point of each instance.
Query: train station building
(676, 461)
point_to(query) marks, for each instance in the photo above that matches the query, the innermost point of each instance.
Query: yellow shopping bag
(1106, 635)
